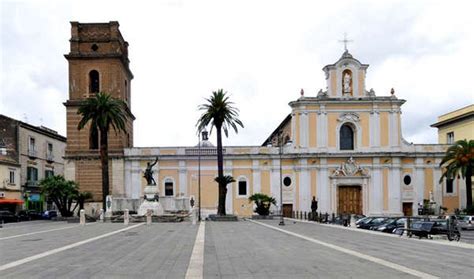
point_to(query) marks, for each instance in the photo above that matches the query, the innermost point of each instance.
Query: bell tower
(98, 62)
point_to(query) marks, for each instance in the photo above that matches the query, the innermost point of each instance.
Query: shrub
(262, 202)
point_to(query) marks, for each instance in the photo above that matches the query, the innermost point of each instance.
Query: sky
(261, 52)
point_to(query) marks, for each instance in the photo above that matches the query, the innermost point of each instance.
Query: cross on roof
(345, 41)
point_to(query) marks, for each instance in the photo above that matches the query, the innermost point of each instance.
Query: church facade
(343, 146)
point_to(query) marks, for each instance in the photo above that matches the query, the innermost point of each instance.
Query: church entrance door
(349, 200)
(287, 210)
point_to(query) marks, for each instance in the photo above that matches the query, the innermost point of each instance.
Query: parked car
(8, 217)
(48, 214)
(466, 222)
(390, 225)
(28, 215)
(368, 223)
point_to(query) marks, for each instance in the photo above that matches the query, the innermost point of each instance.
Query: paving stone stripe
(32, 233)
(353, 253)
(64, 248)
(196, 263)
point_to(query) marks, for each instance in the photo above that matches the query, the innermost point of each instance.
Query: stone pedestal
(151, 202)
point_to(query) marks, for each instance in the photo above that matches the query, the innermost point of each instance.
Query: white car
(466, 222)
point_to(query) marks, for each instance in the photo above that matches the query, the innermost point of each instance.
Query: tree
(102, 112)
(459, 162)
(219, 113)
(262, 202)
(82, 197)
(61, 191)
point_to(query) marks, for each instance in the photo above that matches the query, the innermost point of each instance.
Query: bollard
(148, 216)
(305, 217)
(126, 217)
(82, 217)
(193, 216)
(101, 216)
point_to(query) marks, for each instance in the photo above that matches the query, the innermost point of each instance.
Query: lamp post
(199, 176)
(280, 151)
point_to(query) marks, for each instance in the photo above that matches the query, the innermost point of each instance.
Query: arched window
(346, 137)
(94, 83)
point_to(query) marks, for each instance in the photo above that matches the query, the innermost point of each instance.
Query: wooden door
(287, 210)
(349, 200)
(408, 208)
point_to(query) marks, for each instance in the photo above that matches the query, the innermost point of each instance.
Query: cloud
(261, 52)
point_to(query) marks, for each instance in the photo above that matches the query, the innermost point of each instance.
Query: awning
(11, 201)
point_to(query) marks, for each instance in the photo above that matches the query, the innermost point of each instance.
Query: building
(30, 154)
(344, 146)
(453, 126)
(456, 125)
(98, 61)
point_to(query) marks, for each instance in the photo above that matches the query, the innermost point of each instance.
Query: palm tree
(102, 112)
(219, 112)
(61, 191)
(459, 162)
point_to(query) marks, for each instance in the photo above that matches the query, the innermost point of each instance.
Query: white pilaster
(394, 188)
(438, 189)
(183, 179)
(322, 131)
(376, 193)
(275, 180)
(419, 180)
(256, 177)
(304, 187)
(136, 179)
(229, 199)
(323, 187)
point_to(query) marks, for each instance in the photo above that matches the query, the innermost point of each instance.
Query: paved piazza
(244, 249)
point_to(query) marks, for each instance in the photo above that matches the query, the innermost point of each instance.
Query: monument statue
(148, 174)
(347, 83)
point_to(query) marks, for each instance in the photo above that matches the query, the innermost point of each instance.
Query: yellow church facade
(343, 146)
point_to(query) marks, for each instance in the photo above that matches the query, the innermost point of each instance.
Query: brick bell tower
(98, 62)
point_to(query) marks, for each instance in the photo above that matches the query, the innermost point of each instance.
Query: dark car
(8, 217)
(28, 215)
(48, 214)
(370, 222)
(390, 225)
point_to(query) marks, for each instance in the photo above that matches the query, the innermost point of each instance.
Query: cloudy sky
(261, 52)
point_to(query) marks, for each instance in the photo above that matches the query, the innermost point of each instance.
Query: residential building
(34, 153)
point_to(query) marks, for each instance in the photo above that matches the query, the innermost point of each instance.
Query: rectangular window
(168, 188)
(242, 188)
(31, 147)
(449, 186)
(12, 177)
(32, 175)
(49, 152)
(48, 173)
(450, 138)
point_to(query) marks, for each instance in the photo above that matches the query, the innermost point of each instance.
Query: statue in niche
(148, 174)
(347, 83)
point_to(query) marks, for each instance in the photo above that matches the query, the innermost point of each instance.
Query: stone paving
(241, 249)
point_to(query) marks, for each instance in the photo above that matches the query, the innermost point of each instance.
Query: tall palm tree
(459, 162)
(102, 112)
(219, 112)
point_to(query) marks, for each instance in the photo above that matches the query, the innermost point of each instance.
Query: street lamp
(280, 152)
(204, 138)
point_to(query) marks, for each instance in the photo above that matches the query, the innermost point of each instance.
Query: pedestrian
(314, 207)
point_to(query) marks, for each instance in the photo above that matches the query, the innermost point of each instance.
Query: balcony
(49, 157)
(32, 153)
(31, 183)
